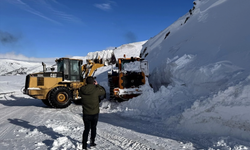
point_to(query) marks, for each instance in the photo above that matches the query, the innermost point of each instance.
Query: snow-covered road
(26, 123)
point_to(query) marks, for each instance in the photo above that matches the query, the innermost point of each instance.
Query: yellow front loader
(59, 88)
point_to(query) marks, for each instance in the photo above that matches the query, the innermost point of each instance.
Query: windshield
(124, 62)
(60, 66)
(74, 67)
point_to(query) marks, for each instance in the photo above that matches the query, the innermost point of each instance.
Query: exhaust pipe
(44, 67)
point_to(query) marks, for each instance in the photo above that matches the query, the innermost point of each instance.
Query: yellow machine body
(58, 89)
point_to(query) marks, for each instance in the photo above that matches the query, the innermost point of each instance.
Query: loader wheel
(111, 90)
(60, 97)
(46, 102)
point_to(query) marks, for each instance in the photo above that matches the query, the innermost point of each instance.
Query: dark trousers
(90, 122)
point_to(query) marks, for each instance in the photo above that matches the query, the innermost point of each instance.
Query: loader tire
(46, 102)
(111, 90)
(60, 97)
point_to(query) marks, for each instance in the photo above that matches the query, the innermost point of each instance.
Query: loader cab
(70, 69)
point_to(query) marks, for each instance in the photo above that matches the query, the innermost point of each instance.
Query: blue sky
(64, 28)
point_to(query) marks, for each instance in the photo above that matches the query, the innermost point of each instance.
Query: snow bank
(222, 36)
(130, 50)
(199, 69)
(225, 113)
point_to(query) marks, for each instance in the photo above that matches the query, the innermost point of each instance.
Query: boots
(84, 146)
(92, 142)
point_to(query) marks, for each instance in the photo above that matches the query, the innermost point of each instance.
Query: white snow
(132, 66)
(200, 73)
(134, 51)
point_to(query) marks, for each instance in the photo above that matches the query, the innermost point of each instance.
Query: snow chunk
(62, 143)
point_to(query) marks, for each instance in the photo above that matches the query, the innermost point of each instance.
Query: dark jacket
(90, 98)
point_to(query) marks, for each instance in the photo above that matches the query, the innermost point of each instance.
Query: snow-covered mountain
(199, 70)
(17, 67)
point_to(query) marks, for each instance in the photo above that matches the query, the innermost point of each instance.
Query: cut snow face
(199, 69)
(214, 36)
(224, 113)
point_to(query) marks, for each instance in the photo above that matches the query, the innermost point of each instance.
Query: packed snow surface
(200, 74)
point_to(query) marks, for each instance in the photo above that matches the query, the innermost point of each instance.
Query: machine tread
(54, 102)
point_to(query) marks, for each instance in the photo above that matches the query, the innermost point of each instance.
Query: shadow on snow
(148, 127)
(13, 100)
(43, 129)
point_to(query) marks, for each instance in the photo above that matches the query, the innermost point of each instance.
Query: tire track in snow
(5, 131)
(122, 142)
(112, 137)
(109, 140)
(8, 128)
(10, 113)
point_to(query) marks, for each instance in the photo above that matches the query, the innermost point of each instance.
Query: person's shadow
(43, 129)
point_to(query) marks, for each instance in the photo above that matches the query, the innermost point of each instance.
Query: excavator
(59, 88)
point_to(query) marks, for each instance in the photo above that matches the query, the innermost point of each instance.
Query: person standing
(90, 97)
